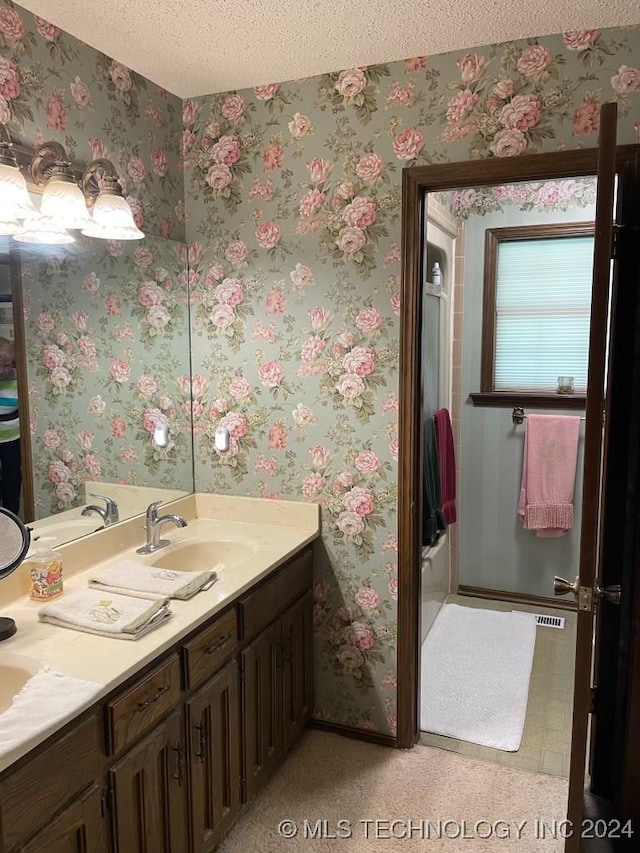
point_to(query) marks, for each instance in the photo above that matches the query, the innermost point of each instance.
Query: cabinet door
(213, 733)
(261, 663)
(297, 669)
(148, 793)
(80, 828)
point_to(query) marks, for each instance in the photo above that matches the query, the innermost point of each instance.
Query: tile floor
(546, 742)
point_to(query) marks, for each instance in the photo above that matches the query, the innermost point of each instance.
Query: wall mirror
(100, 331)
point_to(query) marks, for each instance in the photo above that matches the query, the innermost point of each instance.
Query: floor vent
(550, 621)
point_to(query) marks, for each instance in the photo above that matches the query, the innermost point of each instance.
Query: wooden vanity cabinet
(80, 828)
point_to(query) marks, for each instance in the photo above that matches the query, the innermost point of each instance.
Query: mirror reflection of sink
(202, 555)
(15, 671)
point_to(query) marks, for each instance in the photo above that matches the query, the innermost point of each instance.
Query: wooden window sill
(496, 399)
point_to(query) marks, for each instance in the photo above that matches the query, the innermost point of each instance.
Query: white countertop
(108, 661)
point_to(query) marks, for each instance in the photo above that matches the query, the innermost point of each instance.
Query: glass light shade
(112, 219)
(63, 201)
(44, 231)
(14, 195)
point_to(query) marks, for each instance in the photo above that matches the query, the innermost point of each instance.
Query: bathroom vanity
(165, 759)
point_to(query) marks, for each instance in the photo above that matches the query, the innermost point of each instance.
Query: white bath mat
(476, 668)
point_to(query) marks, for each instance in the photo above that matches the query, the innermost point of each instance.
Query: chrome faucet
(154, 523)
(109, 514)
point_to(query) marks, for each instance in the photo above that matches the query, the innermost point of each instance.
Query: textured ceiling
(199, 47)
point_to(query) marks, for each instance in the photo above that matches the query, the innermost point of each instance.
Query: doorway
(417, 184)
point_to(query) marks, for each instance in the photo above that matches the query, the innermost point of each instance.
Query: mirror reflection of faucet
(154, 523)
(109, 514)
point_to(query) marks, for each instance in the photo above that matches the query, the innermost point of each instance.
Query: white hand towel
(106, 613)
(130, 577)
(47, 698)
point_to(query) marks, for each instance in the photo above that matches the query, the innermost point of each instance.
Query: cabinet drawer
(210, 648)
(133, 712)
(46, 782)
(272, 597)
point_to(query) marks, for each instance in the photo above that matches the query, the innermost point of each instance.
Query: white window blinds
(543, 299)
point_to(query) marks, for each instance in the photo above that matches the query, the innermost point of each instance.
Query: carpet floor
(439, 800)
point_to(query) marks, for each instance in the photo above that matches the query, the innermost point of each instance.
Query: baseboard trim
(353, 732)
(517, 597)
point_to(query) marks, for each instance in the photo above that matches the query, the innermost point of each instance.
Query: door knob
(562, 586)
(609, 593)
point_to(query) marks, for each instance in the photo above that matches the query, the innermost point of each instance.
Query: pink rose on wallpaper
(310, 202)
(302, 415)
(278, 437)
(261, 189)
(361, 361)
(142, 257)
(96, 405)
(147, 385)
(461, 105)
(320, 455)
(626, 80)
(503, 89)
(222, 316)
(508, 143)
(367, 462)
(351, 658)
(312, 348)
(390, 543)
(236, 423)
(402, 96)
(240, 388)
(230, 291)
(416, 63)
(521, 113)
(351, 82)
(153, 115)
(359, 500)
(367, 598)
(151, 418)
(312, 484)
(128, 454)
(368, 320)
(51, 439)
(233, 107)
(80, 93)
(264, 332)
(58, 472)
(350, 385)
(219, 176)
(92, 464)
(138, 216)
(186, 141)
(149, 294)
(236, 252)
(266, 93)
(80, 320)
(52, 356)
(275, 301)
(121, 76)
(190, 111)
(586, 118)
(5, 112)
(158, 317)
(345, 190)
(362, 636)
(112, 305)
(300, 126)
(533, 60)
(301, 276)
(11, 25)
(395, 302)
(580, 39)
(45, 323)
(226, 150)
(369, 167)
(118, 427)
(319, 169)
(214, 275)
(394, 448)
(65, 492)
(350, 523)
(273, 156)
(361, 213)
(268, 234)
(56, 112)
(269, 466)
(9, 80)
(97, 147)
(320, 318)
(119, 370)
(471, 67)
(408, 144)
(271, 373)
(351, 240)
(159, 161)
(48, 31)
(136, 169)
(87, 346)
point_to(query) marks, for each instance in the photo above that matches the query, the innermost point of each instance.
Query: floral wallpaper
(293, 197)
(53, 86)
(548, 196)
(107, 360)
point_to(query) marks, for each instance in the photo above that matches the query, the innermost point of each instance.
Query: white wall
(495, 551)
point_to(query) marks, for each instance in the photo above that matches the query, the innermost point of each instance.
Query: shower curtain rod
(518, 416)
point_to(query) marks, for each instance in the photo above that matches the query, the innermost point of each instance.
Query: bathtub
(434, 584)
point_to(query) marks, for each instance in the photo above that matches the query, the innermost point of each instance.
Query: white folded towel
(130, 577)
(106, 613)
(46, 698)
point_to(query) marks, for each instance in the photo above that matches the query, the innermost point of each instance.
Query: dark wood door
(213, 736)
(148, 790)
(297, 668)
(80, 828)
(261, 666)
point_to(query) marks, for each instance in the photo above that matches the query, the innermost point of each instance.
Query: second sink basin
(15, 671)
(201, 555)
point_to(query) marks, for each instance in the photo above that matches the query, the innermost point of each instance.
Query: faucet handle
(152, 510)
(112, 506)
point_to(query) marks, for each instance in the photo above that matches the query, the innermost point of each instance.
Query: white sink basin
(15, 671)
(201, 555)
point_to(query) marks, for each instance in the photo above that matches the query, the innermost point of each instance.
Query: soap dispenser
(45, 567)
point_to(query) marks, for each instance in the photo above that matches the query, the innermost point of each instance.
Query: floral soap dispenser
(45, 567)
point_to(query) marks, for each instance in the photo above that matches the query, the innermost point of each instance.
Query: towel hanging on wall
(447, 464)
(433, 522)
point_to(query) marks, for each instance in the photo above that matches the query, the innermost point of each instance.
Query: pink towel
(549, 473)
(446, 463)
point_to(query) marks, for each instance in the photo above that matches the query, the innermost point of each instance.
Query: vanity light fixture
(65, 201)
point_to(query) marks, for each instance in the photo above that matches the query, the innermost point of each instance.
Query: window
(537, 301)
